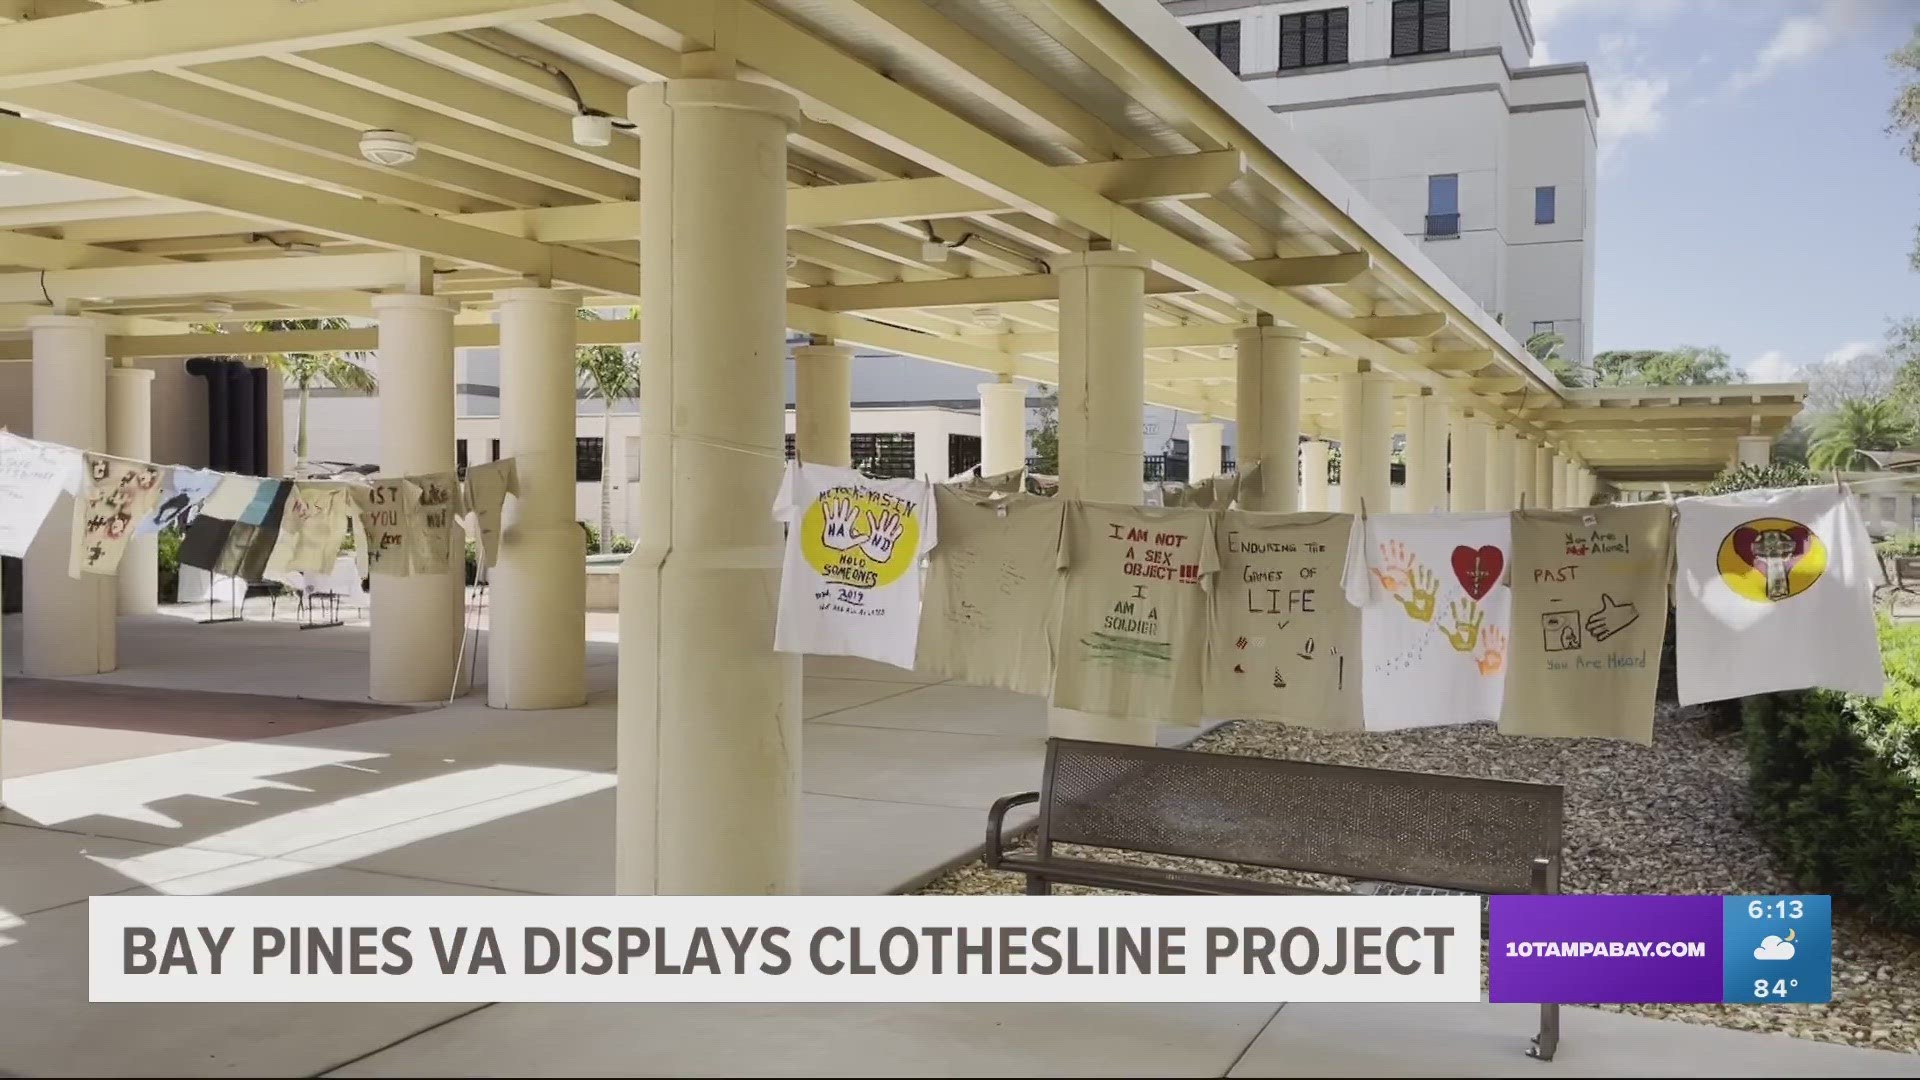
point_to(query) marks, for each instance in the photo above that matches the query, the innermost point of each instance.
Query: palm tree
(1545, 347)
(342, 370)
(1856, 426)
(608, 373)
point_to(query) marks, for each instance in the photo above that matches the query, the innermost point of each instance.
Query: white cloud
(1795, 40)
(1774, 947)
(1629, 106)
(1550, 13)
(1771, 367)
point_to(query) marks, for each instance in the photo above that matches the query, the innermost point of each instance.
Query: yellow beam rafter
(231, 277)
(174, 33)
(892, 115)
(50, 149)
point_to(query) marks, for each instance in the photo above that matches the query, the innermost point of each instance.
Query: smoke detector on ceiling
(987, 318)
(387, 147)
(592, 129)
(219, 307)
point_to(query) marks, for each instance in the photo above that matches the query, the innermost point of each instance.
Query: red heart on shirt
(1478, 569)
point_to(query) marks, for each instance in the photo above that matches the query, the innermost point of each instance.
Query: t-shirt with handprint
(1589, 616)
(850, 577)
(1434, 619)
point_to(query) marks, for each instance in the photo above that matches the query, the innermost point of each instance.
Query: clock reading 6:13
(1774, 909)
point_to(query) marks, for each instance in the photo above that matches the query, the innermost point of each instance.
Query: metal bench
(1388, 830)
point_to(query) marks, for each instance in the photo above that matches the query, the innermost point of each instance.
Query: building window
(1313, 39)
(460, 456)
(1543, 206)
(884, 455)
(494, 448)
(1542, 327)
(1443, 205)
(1222, 39)
(586, 461)
(1419, 26)
(963, 453)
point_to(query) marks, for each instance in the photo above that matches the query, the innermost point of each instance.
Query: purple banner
(1595, 949)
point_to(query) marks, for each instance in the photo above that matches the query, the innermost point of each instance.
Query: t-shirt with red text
(1133, 612)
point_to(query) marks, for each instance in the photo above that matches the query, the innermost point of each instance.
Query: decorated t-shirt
(183, 490)
(115, 495)
(1434, 626)
(1589, 616)
(430, 502)
(32, 476)
(207, 535)
(383, 521)
(1285, 643)
(1133, 613)
(311, 529)
(988, 605)
(1773, 591)
(488, 486)
(850, 578)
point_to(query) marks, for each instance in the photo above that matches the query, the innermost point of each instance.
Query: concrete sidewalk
(465, 800)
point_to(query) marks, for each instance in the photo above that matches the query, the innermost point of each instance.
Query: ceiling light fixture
(384, 146)
(219, 307)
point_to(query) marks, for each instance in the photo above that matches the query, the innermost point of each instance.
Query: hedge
(1835, 780)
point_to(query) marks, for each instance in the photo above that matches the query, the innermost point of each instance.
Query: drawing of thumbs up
(1612, 618)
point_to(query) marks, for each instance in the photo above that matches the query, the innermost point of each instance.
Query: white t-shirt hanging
(1773, 591)
(32, 476)
(1434, 623)
(850, 579)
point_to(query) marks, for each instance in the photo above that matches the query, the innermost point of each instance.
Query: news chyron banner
(784, 948)
(1564, 949)
(1603, 949)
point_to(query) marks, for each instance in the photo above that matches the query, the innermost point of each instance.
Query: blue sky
(1750, 196)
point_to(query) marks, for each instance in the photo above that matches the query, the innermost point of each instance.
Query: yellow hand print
(1465, 618)
(1425, 588)
(1493, 654)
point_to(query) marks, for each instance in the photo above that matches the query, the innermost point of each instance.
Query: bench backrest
(1453, 832)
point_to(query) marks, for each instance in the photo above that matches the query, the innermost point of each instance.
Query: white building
(1434, 110)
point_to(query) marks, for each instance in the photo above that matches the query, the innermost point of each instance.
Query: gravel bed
(1666, 818)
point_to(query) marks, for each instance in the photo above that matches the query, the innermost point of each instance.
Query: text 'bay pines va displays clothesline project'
(248, 527)
(1546, 622)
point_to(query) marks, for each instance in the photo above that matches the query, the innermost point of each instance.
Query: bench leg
(1545, 1043)
(1038, 886)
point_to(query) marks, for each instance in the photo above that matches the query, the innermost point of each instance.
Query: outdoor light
(592, 129)
(219, 307)
(301, 247)
(933, 251)
(386, 147)
(987, 318)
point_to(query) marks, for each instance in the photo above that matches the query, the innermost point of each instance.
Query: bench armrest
(995, 819)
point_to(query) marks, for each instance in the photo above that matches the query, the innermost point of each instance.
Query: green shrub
(620, 543)
(1905, 545)
(1836, 784)
(169, 558)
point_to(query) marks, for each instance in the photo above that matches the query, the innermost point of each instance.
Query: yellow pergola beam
(177, 33)
(69, 153)
(886, 112)
(1422, 325)
(221, 278)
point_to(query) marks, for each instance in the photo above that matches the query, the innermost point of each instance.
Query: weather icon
(1775, 947)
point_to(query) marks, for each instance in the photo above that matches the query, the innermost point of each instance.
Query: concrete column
(1313, 475)
(1469, 472)
(1413, 453)
(536, 636)
(415, 636)
(130, 435)
(1584, 488)
(1102, 372)
(1903, 512)
(823, 403)
(1556, 475)
(1753, 450)
(1366, 442)
(1434, 450)
(1523, 470)
(1267, 368)
(709, 714)
(1543, 476)
(1204, 442)
(68, 621)
(1499, 494)
(1003, 427)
